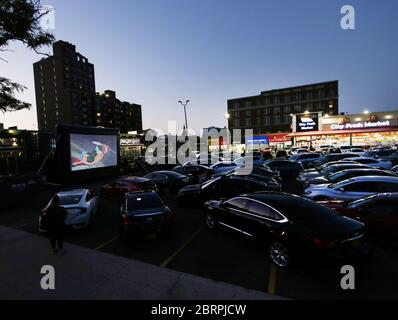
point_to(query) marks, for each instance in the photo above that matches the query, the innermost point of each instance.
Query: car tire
(211, 222)
(279, 254)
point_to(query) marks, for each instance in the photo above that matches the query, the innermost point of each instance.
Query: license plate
(150, 236)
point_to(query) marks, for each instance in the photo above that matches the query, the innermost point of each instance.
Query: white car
(81, 206)
(372, 162)
(352, 189)
(345, 149)
(358, 151)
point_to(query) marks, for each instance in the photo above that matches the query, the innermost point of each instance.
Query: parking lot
(221, 255)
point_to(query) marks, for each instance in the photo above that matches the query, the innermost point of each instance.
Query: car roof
(133, 179)
(141, 193)
(374, 178)
(360, 158)
(73, 192)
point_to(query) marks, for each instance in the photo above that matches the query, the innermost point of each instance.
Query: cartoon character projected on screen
(93, 157)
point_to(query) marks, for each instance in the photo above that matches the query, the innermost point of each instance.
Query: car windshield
(144, 201)
(69, 199)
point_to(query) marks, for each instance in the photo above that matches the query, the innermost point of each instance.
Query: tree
(20, 21)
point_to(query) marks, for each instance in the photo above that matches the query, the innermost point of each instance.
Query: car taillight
(324, 244)
(168, 216)
(128, 220)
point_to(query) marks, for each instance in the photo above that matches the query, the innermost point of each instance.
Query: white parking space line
(106, 243)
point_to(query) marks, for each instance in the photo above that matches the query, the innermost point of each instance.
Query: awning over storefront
(331, 132)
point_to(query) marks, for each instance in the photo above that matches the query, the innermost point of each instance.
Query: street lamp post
(185, 112)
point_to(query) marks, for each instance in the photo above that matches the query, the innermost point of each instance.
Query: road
(222, 255)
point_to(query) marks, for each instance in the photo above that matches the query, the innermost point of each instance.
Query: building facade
(65, 94)
(270, 111)
(371, 129)
(65, 88)
(110, 112)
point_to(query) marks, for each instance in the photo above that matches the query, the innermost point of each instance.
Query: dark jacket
(56, 218)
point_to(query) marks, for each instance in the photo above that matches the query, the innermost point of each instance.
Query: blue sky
(156, 52)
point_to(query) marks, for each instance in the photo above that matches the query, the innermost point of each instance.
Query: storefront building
(131, 147)
(371, 129)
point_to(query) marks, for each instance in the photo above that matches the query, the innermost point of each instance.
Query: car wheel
(279, 254)
(211, 222)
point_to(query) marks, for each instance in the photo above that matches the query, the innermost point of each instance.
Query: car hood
(318, 186)
(318, 180)
(191, 188)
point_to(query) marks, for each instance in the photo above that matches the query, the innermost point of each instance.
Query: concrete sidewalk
(88, 274)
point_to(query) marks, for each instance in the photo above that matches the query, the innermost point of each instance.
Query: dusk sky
(155, 53)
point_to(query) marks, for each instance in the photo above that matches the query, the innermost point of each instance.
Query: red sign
(279, 137)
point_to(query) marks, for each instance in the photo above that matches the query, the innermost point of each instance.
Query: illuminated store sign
(307, 122)
(360, 125)
(129, 142)
(258, 140)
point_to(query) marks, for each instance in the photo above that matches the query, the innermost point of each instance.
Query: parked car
(325, 165)
(198, 172)
(393, 158)
(336, 157)
(371, 162)
(352, 189)
(258, 174)
(219, 188)
(348, 173)
(81, 206)
(144, 213)
(295, 228)
(223, 166)
(168, 180)
(285, 167)
(263, 171)
(241, 161)
(324, 147)
(280, 154)
(378, 153)
(357, 151)
(378, 212)
(118, 188)
(345, 149)
(306, 159)
(297, 150)
(309, 176)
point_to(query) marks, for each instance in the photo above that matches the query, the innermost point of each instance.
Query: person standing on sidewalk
(56, 224)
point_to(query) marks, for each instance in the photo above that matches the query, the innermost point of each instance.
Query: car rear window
(144, 201)
(69, 199)
(303, 210)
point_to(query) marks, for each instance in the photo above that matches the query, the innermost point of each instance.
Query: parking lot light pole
(185, 112)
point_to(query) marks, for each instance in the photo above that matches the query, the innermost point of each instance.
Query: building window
(248, 113)
(286, 109)
(276, 119)
(297, 108)
(277, 110)
(267, 110)
(248, 103)
(236, 123)
(286, 119)
(247, 122)
(267, 120)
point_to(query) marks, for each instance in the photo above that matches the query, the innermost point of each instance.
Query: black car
(285, 167)
(308, 160)
(294, 227)
(198, 172)
(378, 154)
(393, 158)
(258, 170)
(336, 157)
(347, 174)
(144, 213)
(167, 180)
(219, 188)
